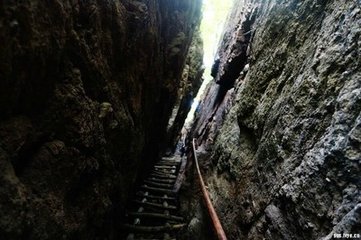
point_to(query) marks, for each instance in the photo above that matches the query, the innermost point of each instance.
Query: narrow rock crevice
(86, 92)
(94, 140)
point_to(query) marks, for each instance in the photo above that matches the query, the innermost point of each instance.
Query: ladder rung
(139, 228)
(165, 167)
(156, 197)
(168, 163)
(156, 215)
(164, 172)
(164, 185)
(154, 179)
(168, 158)
(157, 205)
(166, 176)
(161, 190)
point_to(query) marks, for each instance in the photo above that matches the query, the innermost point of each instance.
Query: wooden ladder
(155, 210)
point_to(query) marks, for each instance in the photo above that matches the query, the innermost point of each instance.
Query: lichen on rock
(86, 91)
(285, 137)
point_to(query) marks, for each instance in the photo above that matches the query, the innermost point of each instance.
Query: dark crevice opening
(226, 73)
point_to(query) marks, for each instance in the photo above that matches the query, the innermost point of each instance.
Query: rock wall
(86, 91)
(190, 84)
(281, 124)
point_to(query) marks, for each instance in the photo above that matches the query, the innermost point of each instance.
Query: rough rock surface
(285, 141)
(86, 91)
(190, 84)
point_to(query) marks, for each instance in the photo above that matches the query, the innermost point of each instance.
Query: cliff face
(190, 84)
(86, 92)
(282, 125)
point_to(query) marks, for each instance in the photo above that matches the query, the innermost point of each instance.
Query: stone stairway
(154, 212)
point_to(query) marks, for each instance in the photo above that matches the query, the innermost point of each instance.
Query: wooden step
(165, 228)
(167, 163)
(164, 172)
(163, 176)
(156, 197)
(174, 160)
(156, 205)
(156, 215)
(158, 190)
(164, 167)
(169, 158)
(162, 185)
(159, 180)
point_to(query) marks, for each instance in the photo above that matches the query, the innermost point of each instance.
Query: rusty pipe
(212, 213)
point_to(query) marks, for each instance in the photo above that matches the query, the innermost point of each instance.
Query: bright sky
(215, 14)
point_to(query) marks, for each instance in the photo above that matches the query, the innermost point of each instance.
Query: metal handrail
(212, 213)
